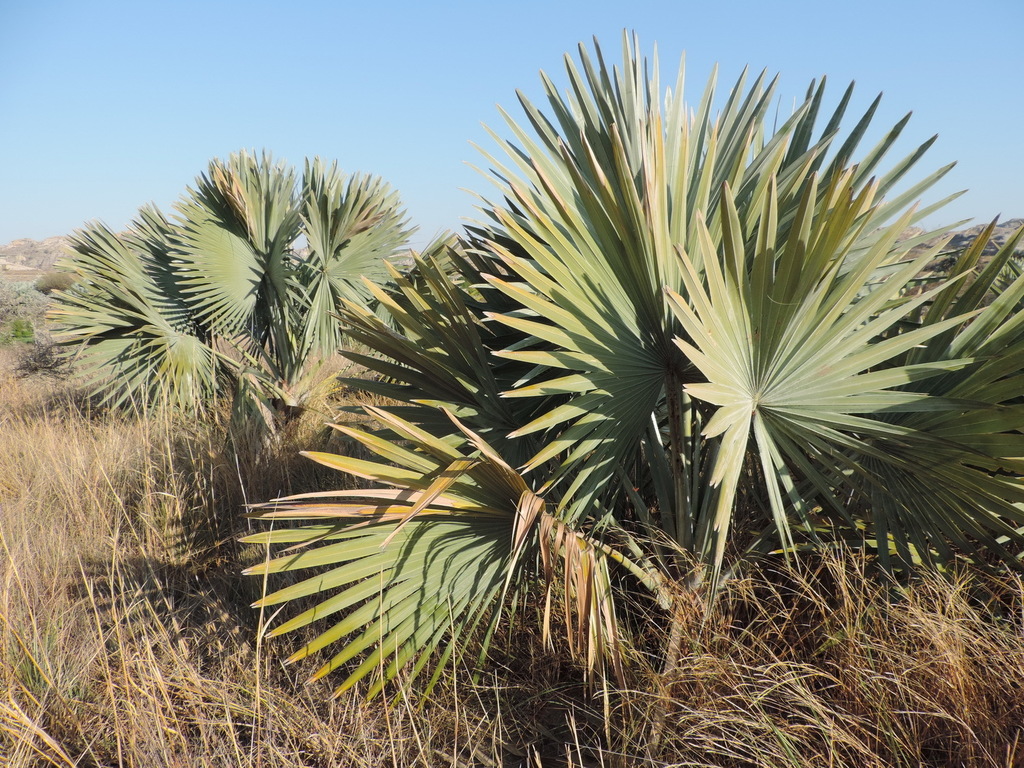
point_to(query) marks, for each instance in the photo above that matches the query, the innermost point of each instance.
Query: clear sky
(105, 106)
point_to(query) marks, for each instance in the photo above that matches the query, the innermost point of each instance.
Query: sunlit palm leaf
(806, 375)
(598, 202)
(428, 560)
(138, 339)
(237, 230)
(352, 226)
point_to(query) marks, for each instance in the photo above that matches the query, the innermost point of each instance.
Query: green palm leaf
(140, 341)
(599, 201)
(220, 297)
(438, 350)
(237, 230)
(429, 560)
(807, 376)
(352, 226)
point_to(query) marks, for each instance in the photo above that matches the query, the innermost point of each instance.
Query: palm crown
(678, 335)
(222, 296)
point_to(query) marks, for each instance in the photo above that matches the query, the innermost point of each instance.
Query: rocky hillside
(31, 255)
(965, 237)
(1002, 233)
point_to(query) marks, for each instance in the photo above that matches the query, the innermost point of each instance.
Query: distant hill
(40, 255)
(31, 255)
(1002, 233)
(964, 237)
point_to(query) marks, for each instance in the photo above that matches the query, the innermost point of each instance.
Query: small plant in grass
(17, 331)
(21, 330)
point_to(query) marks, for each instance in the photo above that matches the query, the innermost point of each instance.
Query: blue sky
(105, 106)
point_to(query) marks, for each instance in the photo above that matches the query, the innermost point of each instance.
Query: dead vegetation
(126, 637)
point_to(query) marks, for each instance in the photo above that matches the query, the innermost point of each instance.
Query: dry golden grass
(830, 666)
(126, 638)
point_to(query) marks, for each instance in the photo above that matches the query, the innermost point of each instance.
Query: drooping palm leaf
(410, 571)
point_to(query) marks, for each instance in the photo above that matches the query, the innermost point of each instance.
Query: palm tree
(221, 298)
(680, 338)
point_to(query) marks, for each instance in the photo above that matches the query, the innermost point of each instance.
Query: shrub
(54, 281)
(20, 300)
(219, 299)
(681, 339)
(43, 358)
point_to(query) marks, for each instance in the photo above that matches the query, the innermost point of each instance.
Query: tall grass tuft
(829, 664)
